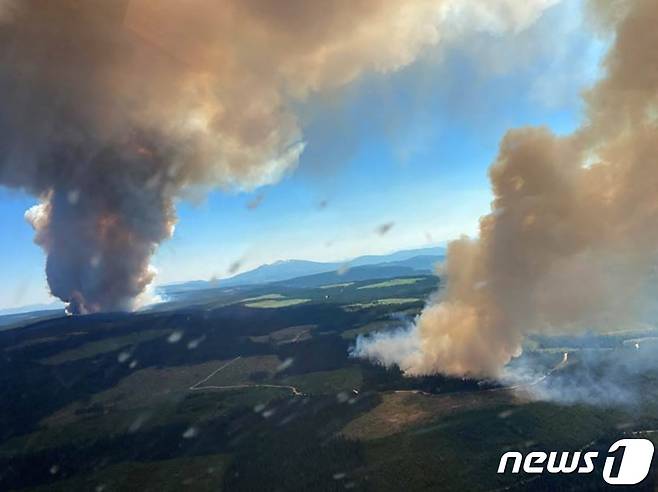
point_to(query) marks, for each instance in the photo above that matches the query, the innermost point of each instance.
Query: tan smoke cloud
(6, 10)
(571, 242)
(123, 105)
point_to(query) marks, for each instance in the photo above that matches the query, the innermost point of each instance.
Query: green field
(286, 335)
(335, 286)
(339, 382)
(393, 301)
(396, 282)
(263, 297)
(275, 303)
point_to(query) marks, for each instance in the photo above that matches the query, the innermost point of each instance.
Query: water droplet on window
(190, 433)
(192, 344)
(175, 336)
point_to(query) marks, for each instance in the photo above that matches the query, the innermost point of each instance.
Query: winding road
(197, 386)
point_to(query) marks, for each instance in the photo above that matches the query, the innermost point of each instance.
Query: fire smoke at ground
(572, 238)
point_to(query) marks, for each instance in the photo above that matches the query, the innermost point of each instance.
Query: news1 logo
(627, 463)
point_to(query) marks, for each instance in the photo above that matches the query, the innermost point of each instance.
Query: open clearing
(141, 389)
(291, 334)
(240, 370)
(381, 302)
(263, 297)
(342, 380)
(151, 387)
(401, 410)
(275, 303)
(392, 283)
(335, 286)
(208, 384)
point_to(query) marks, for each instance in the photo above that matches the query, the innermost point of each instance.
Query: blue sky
(410, 148)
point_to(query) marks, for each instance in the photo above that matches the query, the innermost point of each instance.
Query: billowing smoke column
(571, 242)
(112, 109)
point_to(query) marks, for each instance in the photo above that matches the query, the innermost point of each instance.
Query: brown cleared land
(401, 410)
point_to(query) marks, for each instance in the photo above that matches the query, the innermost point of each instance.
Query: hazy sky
(410, 148)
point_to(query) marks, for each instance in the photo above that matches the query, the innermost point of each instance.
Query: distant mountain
(8, 321)
(366, 272)
(403, 262)
(425, 263)
(281, 270)
(54, 305)
(397, 256)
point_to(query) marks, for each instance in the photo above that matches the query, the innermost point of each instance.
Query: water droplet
(175, 336)
(285, 364)
(192, 344)
(384, 228)
(259, 408)
(190, 433)
(73, 196)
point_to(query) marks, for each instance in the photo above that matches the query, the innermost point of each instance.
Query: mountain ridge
(409, 261)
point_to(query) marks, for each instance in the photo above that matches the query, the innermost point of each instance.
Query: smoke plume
(111, 110)
(572, 238)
